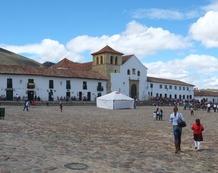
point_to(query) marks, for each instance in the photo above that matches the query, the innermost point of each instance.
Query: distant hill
(10, 58)
(48, 64)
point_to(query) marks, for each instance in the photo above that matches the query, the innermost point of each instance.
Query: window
(84, 85)
(101, 60)
(97, 60)
(68, 86)
(30, 80)
(138, 73)
(161, 86)
(128, 72)
(151, 85)
(187, 88)
(100, 87)
(165, 95)
(175, 87)
(30, 84)
(175, 96)
(111, 59)
(180, 87)
(166, 87)
(170, 87)
(9, 83)
(51, 84)
(133, 71)
(116, 60)
(183, 88)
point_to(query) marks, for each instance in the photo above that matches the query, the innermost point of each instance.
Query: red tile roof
(67, 64)
(167, 81)
(53, 72)
(107, 49)
(126, 58)
(206, 93)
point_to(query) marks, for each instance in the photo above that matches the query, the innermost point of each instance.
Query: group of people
(158, 114)
(197, 128)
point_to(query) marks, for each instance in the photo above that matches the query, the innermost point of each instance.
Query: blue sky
(173, 39)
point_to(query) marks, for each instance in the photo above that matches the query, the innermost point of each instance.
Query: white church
(110, 70)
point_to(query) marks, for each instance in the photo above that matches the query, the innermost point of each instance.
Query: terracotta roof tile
(167, 81)
(126, 58)
(205, 93)
(107, 49)
(54, 72)
(67, 64)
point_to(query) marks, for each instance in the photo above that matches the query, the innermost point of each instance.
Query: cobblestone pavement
(92, 140)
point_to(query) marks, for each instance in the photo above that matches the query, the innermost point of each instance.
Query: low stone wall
(65, 103)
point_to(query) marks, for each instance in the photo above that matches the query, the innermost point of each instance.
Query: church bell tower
(107, 61)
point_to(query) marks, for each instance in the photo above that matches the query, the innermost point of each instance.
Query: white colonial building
(168, 88)
(49, 84)
(206, 95)
(109, 71)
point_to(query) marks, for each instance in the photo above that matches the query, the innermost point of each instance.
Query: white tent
(115, 100)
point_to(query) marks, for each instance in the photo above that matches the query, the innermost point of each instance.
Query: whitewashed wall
(120, 81)
(42, 86)
(187, 92)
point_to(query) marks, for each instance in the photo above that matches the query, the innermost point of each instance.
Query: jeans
(177, 132)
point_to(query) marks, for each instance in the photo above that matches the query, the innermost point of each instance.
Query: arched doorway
(133, 91)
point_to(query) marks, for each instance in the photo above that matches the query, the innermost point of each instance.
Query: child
(154, 115)
(197, 128)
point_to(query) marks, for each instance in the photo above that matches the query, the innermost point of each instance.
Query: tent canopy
(115, 100)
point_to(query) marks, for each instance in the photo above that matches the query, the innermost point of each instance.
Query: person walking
(197, 128)
(177, 130)
(214, 107)
(157, 114)
(161, 115)
(208, 107)
(26, 105)
(61, 106)
(192, 110)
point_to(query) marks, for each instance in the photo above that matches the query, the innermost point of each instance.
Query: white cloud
(205, 30)
(194, 69)
(213, 6)
(136, 39)
(46, 50)
(156, 13)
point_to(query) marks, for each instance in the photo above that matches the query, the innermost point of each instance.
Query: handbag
(180, 122)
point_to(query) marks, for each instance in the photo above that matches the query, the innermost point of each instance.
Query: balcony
(30, 85)
(100, 88)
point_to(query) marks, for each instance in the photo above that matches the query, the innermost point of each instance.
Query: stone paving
(92, 140)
